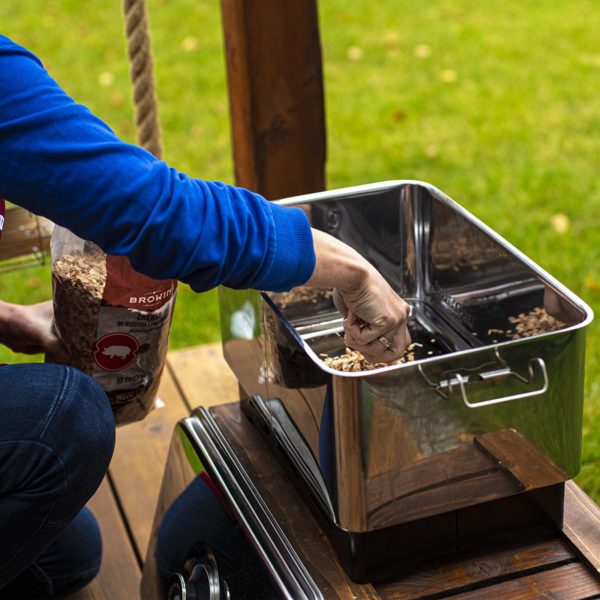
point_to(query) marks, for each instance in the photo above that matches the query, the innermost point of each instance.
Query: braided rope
(140, 58)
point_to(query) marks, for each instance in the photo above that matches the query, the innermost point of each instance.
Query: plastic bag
(114, 322)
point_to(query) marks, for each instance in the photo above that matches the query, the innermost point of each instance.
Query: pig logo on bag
(115, 351)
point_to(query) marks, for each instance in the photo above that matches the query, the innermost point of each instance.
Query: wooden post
(276, 95)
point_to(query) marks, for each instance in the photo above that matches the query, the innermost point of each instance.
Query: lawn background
(494, 102)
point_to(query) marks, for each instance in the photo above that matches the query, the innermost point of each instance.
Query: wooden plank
(569, 582)
(460, 463)
(119, 575)
(442, 499)
(288, 508)
(435, 475)
(456, 573)
(463, 477)
(515, 453)
(581, 523)
(140, 455)
(276, 95)
(203, 376)
(24, 233)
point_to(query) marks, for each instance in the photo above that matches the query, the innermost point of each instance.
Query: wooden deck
(566, 567)
(124, 504)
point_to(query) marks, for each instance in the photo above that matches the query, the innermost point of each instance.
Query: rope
(140, 58)
(142, 78)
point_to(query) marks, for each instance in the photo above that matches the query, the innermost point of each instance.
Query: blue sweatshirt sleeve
(58, 160)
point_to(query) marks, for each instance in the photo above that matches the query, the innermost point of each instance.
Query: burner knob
(180, 589)
(204, 584)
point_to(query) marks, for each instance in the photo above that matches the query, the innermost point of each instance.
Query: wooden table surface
(564, 566)
(551, 566)
(124, 504)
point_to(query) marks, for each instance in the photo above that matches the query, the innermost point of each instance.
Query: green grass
(493, 102)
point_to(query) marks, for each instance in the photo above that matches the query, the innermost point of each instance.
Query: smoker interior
(436, 328)
(461, 279)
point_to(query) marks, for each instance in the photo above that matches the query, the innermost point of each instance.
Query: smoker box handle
(492, 375)
(505, 371)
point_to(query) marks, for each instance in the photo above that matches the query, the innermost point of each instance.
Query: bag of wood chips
(113, 321)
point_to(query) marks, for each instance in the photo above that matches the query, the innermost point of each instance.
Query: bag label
(122, 282)
(115, 351)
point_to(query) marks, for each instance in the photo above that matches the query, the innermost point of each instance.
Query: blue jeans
(56, 441)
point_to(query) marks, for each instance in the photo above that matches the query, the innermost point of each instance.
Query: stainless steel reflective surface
(476, 417)
(213, 531)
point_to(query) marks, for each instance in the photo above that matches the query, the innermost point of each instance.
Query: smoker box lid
(462, 279)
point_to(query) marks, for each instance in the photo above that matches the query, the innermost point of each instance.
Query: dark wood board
(581, 523)
(453, 574)
(518, 456)
(548, 565)
(568, 582)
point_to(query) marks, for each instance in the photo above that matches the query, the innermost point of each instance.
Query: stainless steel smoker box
(395, 461)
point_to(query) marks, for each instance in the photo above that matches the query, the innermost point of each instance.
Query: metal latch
(445, 386)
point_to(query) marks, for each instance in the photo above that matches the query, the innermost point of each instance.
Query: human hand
(560, 308)
(28, 329)
(375, 316)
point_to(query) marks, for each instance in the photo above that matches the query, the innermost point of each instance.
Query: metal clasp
(445, 386)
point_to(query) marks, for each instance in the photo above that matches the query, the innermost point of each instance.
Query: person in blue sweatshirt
(56, 426)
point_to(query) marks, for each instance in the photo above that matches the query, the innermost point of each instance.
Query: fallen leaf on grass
(398, 115)
(392, 42)
(355, 53)
(432, 151)
(106, 78)
(560, 222)
(449, 76)
(591, 284)
(422, 51)
(391, 39)
(117, 99)
(189, 43)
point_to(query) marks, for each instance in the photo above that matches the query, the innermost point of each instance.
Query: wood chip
(301, 295)
(533, 323)
(354, 361)
(492, 331)
(78, 280)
